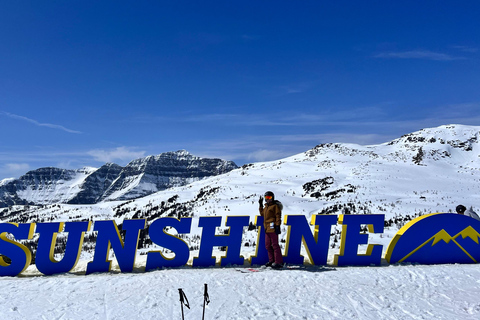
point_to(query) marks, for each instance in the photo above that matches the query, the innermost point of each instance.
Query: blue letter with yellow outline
(109, 236)
(19, 255)
(316, 244)
(155, 259)
(44, 258)
(351, 238)
(232, 240)
(261, 253)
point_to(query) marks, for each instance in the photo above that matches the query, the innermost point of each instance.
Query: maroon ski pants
(273, 248)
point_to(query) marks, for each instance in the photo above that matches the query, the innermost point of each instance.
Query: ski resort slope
(432, 170)
(391, 292)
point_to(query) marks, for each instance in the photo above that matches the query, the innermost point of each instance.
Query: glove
(260, 202)
(277, 229)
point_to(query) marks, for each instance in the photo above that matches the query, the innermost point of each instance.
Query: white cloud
(418, 54)
(466, 49)
(14, 169)
(285, 119)
(17, 166)
(120, 153)
(215, 117)
(248, 37)
(265, 155)
(362, 139)
(296, 88)
(35, 122)
(274, 147)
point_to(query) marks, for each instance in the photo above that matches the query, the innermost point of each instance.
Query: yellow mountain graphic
(440, 235)
(469, 232)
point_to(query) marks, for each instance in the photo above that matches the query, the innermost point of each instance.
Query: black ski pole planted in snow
(183, 298)
(206, 300)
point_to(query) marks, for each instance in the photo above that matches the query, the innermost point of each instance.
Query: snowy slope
(396, 292)
(432, 170)
(5, 181)
(68, 185)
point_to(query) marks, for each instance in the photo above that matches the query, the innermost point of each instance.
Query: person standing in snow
(272, 219)
(463, 210)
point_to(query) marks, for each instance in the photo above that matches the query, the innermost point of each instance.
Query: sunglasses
(268, 197)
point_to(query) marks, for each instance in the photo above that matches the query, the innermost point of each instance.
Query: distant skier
(463, 210)
(272, 219)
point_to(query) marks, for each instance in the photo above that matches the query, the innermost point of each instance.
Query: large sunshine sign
(429, 239)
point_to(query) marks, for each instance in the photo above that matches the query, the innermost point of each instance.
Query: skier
(463, 210)
(272, 219)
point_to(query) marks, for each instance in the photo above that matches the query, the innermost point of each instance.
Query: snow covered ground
(366, 179)
(386, 292)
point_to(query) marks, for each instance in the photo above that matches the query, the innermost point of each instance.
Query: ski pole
(183, 298)
(206, 299)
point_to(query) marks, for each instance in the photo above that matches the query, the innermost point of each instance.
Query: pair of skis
(184, 301)
(263, 268)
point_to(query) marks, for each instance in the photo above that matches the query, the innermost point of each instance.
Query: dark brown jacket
(272, 215)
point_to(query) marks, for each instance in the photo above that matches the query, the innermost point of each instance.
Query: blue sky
(88, 82)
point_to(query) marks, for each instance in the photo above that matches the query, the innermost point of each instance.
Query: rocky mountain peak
(89, 185)
(154, 173)
(456, 136)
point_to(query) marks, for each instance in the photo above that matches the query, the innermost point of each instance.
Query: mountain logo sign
(437, 238)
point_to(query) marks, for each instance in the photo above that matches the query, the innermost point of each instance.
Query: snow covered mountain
(44, 185)
(151, 174)
(428, 171)
(111, 181)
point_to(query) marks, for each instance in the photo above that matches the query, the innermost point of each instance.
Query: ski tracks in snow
(392, 292)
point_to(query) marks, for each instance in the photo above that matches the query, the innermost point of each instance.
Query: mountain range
(138, 178)
(431, 170)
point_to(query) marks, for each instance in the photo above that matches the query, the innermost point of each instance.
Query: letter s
(158, 235)
(20, 255)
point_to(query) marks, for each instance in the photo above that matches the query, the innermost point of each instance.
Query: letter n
(109, 236)
(316, 244)
(261, 253)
